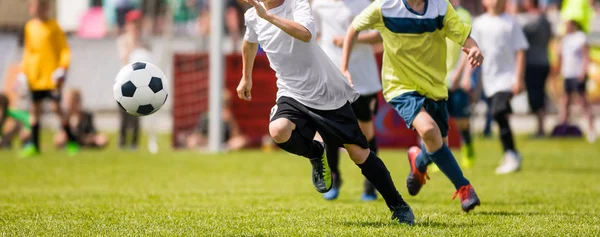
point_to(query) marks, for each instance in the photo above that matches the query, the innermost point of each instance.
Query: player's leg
(135, 131)
(501, 111)
(33, 147)
(71, 145)
(365, 109)
(340, 127)
(333, 158)
(587, 110)
(458, 108)
(292, 132)
(123, 128)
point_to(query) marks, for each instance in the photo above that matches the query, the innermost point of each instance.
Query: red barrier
(191, 100)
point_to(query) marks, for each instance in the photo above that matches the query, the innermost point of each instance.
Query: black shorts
(37, 96)
(573, 85)
(500, 103)
(535, 81)
(336, 127)
(365, 107)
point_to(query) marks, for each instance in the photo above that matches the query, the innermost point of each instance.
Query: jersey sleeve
(455, 29)
(518, 39)
(370, 18)
(303, 15)
(250, 34)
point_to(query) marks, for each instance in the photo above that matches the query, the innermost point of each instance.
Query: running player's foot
(468, 157)
(335, 190)
(29, 151)
(368, 197)
(403, 214)
(72, 148)
(331, 194)
(468, 197)
(415, 179)
(321, 174)
(511, 163)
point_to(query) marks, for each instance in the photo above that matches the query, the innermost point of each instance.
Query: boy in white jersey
(503, 41)
(312, 96)
(414, 36)
(331, 31)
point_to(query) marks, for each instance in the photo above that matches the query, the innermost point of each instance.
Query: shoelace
(462, 192)
(422, 178)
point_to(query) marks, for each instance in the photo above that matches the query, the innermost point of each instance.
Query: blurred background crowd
(106, 34)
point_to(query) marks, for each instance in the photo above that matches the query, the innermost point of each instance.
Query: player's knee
(358, 154)
(430, 133)
(281, 130)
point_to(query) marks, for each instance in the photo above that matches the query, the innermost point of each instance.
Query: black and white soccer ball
(139, 89)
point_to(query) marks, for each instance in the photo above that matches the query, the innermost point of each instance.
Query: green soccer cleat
(468, 157)
(72, 148)
(29, 151)
(321, 173)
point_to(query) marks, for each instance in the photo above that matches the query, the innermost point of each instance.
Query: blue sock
(444, 159)
(423, 160)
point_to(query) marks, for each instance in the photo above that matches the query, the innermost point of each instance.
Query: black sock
(373, 145)
(506, 135)
(466, 137)
(35, 135)
(69, 133)
(299, 145)
(375, 171)
(333, 158)
(368, 186)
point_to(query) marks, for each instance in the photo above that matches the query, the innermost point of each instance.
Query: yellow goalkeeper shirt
(414, 44)
(46, 49)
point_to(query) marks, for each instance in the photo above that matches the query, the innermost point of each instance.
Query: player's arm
(459, 32)
(585, 54)
(371, 37)
(249, 51)
(520, 69)
(370, 18)
(295, 29)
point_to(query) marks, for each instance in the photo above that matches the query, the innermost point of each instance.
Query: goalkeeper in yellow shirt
(46, 58)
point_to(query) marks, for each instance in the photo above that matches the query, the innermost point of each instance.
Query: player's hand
(338, 41)
(22, 83)
(474, 56)
(58, 77)
(581, 78)
(348, 77)
(244, 89)
(518, 88)
(260, 10)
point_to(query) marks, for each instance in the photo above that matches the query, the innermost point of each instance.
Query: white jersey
(332, 19)
(499, 37)
(304, 72)
(572, 59)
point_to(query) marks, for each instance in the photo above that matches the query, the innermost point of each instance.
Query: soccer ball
(139, 90)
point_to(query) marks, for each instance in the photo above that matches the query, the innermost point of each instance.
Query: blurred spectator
(233, 139)
(131, 48)
(234, 16)
(122, 8)
(154, 15)
(538, 32)
(81, 123)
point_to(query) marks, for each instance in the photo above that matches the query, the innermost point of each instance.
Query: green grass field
(250, 193)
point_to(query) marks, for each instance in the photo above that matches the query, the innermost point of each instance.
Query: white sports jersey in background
(499, 37)
(304, 72)
(572, 58)
(332, 18)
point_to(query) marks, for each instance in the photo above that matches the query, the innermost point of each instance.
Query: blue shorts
(408, 106)
(458, 104)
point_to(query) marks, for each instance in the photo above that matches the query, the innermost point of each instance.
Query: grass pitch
(114, 193)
